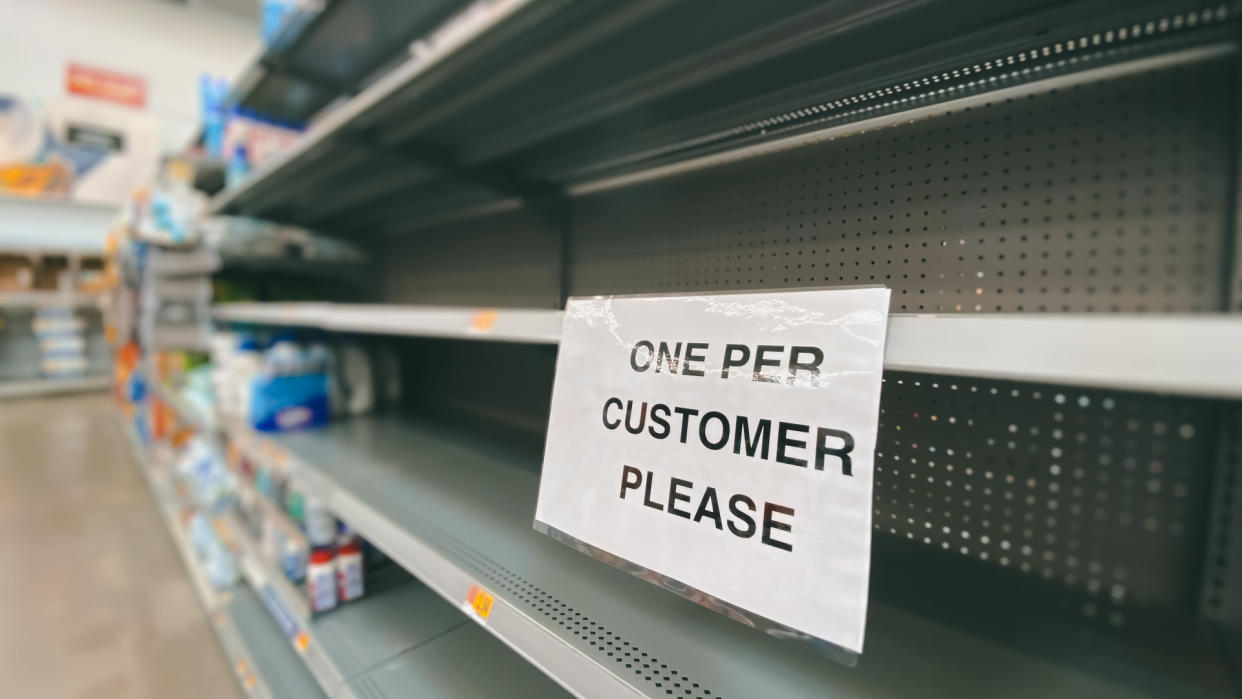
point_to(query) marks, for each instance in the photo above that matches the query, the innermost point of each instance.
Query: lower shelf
(265, 667)
(265, 664)
(456, 509)
(400, 639)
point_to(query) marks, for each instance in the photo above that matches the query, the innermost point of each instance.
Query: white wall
(167, 44)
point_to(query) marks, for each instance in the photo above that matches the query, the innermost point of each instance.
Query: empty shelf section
(392, 641)
(265, 665)
(456, 509)
(581, 108)
(1181, 354)
(458, 31)
(506, 325)
(319, 55)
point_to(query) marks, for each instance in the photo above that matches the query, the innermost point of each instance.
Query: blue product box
(284, 403)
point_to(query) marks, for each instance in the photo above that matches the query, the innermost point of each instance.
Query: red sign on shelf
(129, 90)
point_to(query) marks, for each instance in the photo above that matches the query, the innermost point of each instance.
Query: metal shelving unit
(1050, 191)
(265, 665)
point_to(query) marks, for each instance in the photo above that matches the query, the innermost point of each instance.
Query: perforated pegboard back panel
(1099, 492)
(1111, 196)
(510, 259)
(1222, 574)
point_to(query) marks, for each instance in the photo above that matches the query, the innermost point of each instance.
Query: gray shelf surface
(457, 510)
(407, 641)
(49, 299)
(399, 639)
(1185, 354)
(279, 667)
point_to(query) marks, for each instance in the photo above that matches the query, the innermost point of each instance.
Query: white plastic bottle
(349, 571)
(321, 580)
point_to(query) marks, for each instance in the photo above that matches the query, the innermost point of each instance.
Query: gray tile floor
(94, 601)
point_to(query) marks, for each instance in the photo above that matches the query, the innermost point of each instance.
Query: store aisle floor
(94, 601)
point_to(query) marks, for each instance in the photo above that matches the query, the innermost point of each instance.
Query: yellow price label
(480, 601)
(249, 682)
(484, 320)
(302, 641)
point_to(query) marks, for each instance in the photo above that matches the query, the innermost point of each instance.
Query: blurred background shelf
(49, 299)
(52, 387)
(415, 190)
(388, 640)
(266, 665)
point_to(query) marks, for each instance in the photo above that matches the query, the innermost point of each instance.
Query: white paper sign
(725, 441)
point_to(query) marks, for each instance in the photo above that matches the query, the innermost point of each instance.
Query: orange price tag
(484, 320)
(249, 682)
(242, 666)
(480, 601)
(301, 642)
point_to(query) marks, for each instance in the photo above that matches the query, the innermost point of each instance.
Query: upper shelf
(532, 325)
(1181, 354)
(48, 299)
(518, 100)
(322, 54)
